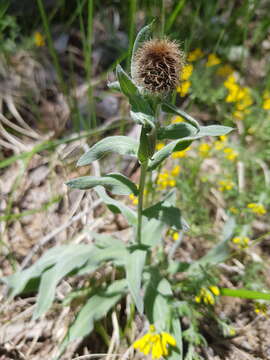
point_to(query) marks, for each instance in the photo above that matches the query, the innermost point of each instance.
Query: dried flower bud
(157, 66)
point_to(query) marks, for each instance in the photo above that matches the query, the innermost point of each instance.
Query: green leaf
(218, 253)
(117, 206)
(167, 213)
(95, 309)
(171, 109)
(179, 145)
(116, 183)
(50, 278)
(151, 231)
(120, 144)
(18, 281)
(159, 310)
(134, 268)
(141, 111)
(176, 131)
(245, 294)
(143, 35)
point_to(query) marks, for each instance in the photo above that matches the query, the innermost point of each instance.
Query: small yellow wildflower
(219, 144)
(175, 171)
(241, 241)
(233, 210)
(207, 295)
(230, 81)
(225, 185)
(212, 60)
(266, 104)
(180, 154)
(260, 308)
(165, 180)
(195, 55)
(183, 89)
(225, 70)
(177, 119)
(134, 199)
(223, 138)
(160, 146)
(230, 154)
(175, 236)
(232, 331)
(157, 343)
(186, 72)
(39, 39)
(258, 209)
(239, 115)
(204, 149)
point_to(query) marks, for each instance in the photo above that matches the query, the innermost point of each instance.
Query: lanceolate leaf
(123, 145)
(116, 183)
(178, 145)
(96, 308)
(245, 294)
(134, 268)
(143, 35)
(176, 131)
(171, 109)
(117, 206)
(51, 277)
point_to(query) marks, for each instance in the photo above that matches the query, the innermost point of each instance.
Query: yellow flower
(39, 39)
(241, 241)
(186, 72)
(225, 70)
(159, 146)
(260, 308)
(204, 149)
(212, 60)
(231, 80)
(180, 154)
(157, 343)
(258, 209)
(175, 236)
(207, 295)
(233, 210)
(230, 154)
(134, 199)
(177, 119)
(239, 115)
(175, 171)
(225, 185)
(266, 104)
(195, 55)
(165, 180)
(183, 89)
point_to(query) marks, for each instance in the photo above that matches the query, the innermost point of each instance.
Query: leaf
(171, 109)
(114, 85)
(143, 35)
(50, 278)
(18, 281)
(141, 111)
(151, 231)
(245, 294)
(176, 131)
(96, 308)
(159, 310)
(218, 253)
(116, 183)
(123, 145)
(134, 268)
(117, 206)
(179, 145)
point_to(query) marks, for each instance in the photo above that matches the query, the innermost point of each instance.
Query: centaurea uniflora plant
(145, 272)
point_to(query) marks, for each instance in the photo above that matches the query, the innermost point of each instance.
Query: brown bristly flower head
(157, 66)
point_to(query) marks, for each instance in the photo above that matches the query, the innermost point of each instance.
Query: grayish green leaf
(120, 144)
(134, 268)
(116, 183)
(176, 131)
(117, 206)
(171, 109)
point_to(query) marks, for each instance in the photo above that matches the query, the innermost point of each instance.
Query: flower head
(39, 39)
(258, 209)
(195, 55)
(157, 65)
(212, 60)
(155, 343)
(207, 295)
(242, 242)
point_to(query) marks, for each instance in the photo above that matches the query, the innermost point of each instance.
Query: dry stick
(53, 233)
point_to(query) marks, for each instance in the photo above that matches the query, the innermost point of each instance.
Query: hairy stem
(140, 203)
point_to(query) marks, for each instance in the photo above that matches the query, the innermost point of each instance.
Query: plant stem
(140, 203)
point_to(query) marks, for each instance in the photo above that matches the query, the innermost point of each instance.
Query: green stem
(140, 203)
